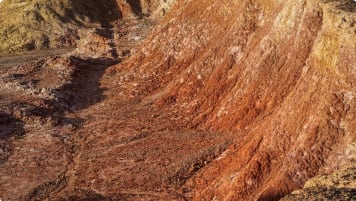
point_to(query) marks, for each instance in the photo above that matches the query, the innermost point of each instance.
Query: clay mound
(227, 100)
(279, 74)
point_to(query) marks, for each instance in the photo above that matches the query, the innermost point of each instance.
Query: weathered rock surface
(340, 185)
(224, 100)
(279, 74)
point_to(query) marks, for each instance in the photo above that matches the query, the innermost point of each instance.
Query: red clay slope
(280, 74)
(225, 100)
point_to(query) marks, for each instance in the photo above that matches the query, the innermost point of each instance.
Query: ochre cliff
(224, 100)
(279, 74)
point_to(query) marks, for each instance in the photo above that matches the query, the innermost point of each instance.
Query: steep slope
(225, 100)
(280, 74)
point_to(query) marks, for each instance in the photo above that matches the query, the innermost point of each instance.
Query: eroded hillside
(39, 24)
(279, 74)
(224, 100)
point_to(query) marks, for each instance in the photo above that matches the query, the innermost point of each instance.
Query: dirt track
(16, 59)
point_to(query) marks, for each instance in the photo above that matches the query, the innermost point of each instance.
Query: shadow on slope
(10, 127)
(85, 86)
(135, 6)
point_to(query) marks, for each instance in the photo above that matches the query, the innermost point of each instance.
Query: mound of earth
(280, 75)
(223, 100)
(39, 24)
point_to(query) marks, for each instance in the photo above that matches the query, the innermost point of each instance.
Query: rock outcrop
(279, 74)
(224, 100)
(340, 185)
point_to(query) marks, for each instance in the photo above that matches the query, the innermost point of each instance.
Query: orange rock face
(279, 74)
(224, 100)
